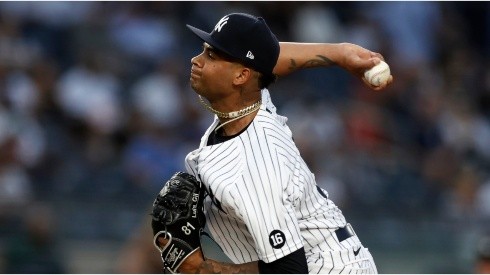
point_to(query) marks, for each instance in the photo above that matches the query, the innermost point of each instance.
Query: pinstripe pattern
(260, 183)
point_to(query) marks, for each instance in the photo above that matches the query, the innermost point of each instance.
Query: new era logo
(250, 55)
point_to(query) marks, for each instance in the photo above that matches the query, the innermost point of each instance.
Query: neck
(235, 125)
(234, 114)
(233, 122)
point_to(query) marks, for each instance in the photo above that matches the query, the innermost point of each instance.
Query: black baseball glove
(178, 217)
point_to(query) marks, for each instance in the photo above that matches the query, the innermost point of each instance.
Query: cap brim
(206, 37)
(200, 33)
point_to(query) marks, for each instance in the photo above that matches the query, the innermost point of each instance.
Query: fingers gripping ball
(379, 74)
(178, 216)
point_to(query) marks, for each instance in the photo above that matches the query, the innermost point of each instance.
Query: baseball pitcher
(247, 180)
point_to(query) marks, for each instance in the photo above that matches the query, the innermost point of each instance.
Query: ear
(242, 75)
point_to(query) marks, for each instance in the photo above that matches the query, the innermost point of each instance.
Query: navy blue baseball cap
(246, 38)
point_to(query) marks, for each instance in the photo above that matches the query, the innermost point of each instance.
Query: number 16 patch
(277, 239)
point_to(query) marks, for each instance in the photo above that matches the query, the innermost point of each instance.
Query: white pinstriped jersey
(264, 202)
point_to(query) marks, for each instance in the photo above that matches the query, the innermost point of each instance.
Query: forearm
(195, 264)
(294, 56)
(213, 267)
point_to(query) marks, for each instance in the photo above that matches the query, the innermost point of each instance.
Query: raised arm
(351, 57)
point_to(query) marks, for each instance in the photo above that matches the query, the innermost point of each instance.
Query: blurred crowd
(96, 112)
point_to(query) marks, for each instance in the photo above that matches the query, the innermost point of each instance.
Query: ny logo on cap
(221, 23)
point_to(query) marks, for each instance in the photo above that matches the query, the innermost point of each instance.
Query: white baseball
(378, 74)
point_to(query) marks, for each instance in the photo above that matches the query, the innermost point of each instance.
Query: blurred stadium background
(96, 112)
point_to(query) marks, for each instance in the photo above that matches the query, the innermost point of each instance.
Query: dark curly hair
(266, 80)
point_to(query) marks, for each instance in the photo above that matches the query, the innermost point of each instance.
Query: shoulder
(270, 125)
(268, 137)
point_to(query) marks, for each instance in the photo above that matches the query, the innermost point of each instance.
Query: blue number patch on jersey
(277, 239)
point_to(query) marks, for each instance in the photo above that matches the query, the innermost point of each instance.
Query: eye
(211, 54)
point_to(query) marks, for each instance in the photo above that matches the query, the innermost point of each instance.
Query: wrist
(340, 53)
(193, 263)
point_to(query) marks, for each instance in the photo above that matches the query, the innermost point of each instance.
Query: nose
(195, 60)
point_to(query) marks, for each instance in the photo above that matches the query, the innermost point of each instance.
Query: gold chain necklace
(236, 114)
